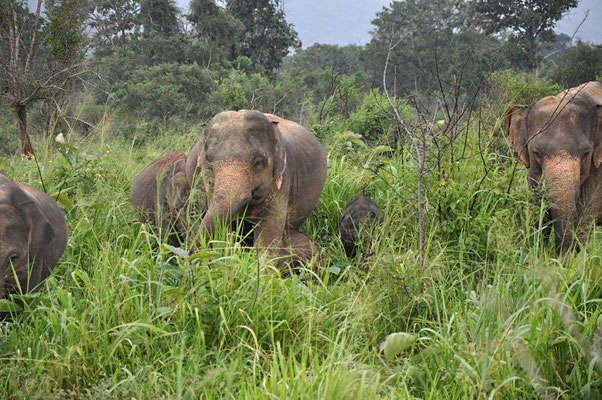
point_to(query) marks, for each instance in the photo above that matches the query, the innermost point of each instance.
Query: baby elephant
(164, 180)
(357, 224)
(33, 236)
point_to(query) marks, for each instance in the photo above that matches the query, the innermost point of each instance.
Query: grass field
(494, 314)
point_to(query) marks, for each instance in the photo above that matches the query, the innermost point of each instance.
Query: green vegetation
(494, 312)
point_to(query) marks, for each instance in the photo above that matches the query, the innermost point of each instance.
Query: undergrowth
(495, 312)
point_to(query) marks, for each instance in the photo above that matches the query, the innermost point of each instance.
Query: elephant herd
(266, 174)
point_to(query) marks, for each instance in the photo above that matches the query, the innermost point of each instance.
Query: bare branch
(34, 38)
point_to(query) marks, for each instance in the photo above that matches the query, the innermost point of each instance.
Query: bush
(165, 90)
(577, 65)
(513, 88)
(374, 118)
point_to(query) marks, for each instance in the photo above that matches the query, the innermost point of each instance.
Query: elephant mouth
(258, 194)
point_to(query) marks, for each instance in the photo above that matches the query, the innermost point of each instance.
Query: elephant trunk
(231, 192)
(562, 174)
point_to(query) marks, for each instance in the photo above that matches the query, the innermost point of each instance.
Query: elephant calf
(33, 237)
(163, 181)
(357, 224)
(264, 167)
(560, 142)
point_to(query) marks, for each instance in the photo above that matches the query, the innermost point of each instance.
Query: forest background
(463, 296)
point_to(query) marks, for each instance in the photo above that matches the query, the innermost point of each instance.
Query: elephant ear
(598, 142)
(40, 232)
(279, 153)
(193, 162)
(515, 123)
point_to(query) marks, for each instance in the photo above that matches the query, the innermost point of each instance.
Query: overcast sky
(348, 21)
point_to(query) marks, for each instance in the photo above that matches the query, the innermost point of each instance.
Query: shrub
(164, 90)
(578, 64)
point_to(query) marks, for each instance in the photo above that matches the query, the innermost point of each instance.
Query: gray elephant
(164, 182)
(357, 224)
(560, 142)
(33, 237)
(266, 167)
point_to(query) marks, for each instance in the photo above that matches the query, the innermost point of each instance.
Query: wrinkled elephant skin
(33, 237)
(560, 142)
(164, 182)
(271, 169)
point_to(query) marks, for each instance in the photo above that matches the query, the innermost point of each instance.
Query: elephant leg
(300, 247)
(298, 251)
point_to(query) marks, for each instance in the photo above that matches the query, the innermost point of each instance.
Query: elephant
(33, 237)
(164, 181)
(357, 224)
(559, 140)
(270, 169)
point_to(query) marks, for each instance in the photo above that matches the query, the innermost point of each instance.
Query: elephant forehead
(242, 123)
(11, 217)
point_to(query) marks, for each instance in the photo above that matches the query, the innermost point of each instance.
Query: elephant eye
(258, 162)
(537, 154)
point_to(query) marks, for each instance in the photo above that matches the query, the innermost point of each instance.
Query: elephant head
(25, 232)
(241, 158)
(560, 142)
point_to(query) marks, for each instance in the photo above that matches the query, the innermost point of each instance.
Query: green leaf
(201, 254)
(395, 343)
(9, 306)
(178, 251)
(383, 149)
(61, 198)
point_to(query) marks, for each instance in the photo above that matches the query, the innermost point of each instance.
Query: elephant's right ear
(279, 152)
(515, 123)
(598, 142)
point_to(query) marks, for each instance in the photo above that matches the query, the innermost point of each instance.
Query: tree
(161, 39)
(432, 39)
(160, 16)
(527, 20)
(578, 64)
(215, 27)
(112, 21)
(267, 37)
(32, 70)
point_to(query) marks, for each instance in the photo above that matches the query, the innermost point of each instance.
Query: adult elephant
(33, 236)
(271, 169)
(560, 142)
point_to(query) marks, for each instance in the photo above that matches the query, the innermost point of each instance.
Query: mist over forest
(470, 286)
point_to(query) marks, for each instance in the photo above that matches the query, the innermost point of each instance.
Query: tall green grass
(496, 313)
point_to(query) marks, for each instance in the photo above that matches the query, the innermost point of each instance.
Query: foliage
(528, 21)
(521, 88)
(215, 27)
(496, 313)
(373, 120)
(578, 64)
(64, 34)
(267, 36)
(159, 16)
(112, 22)
(165, 90)
(432, 41)
(319, 57)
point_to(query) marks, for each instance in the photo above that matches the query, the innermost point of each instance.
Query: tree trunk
(21, 112)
